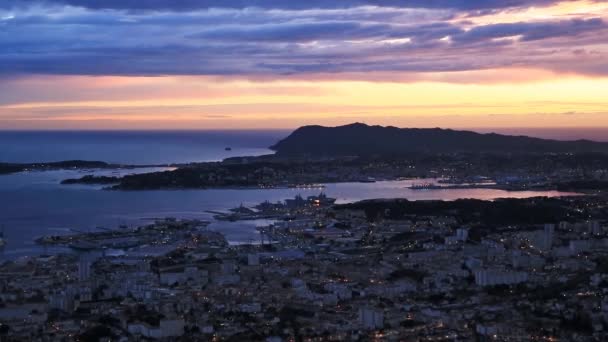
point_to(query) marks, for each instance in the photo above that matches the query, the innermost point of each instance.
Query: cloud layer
(183, 5)
(266, 38)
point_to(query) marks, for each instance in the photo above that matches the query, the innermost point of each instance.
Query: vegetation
(91, 179)
(499, 212)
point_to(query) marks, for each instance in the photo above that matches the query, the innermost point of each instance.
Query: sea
(134, 147)
(34, 203)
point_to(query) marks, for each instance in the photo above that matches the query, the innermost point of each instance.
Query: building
(371, 318)
(594, 227)
(579, 246)
(462, 234)
(253, 259)
(84, 268)
(548, 236)
(488, 277)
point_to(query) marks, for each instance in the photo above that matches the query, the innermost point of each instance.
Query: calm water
(35, 204)
(134, 147)
(162, 147)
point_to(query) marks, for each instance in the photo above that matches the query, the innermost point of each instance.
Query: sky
(258, 64)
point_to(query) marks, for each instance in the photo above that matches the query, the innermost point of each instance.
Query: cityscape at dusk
(303, 171)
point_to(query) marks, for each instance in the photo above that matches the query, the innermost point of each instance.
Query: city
(372, 270)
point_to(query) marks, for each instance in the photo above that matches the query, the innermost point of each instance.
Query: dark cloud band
(266, 42)
(183, 5)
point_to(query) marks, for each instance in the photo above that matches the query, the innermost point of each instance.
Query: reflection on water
(35, 204)
(350, 192)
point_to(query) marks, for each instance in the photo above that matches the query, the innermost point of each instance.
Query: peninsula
(362, 140)
(361, 153)
(7, 168)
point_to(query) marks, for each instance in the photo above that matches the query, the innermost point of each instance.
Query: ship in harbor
(273, 211)
(425, 186)
(307, 186)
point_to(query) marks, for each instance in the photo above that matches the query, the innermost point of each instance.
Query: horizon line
(35, 129)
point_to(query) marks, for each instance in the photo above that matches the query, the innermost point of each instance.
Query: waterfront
(36, 204)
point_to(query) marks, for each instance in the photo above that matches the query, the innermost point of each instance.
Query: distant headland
(359, 139)
(362, 153)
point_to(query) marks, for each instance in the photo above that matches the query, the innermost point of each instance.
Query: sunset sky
(217, 64)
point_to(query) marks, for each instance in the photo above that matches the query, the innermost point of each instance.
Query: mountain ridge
(361, 139)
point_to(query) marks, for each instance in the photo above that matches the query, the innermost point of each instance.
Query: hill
(362, 140)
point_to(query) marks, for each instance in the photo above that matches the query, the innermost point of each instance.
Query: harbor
(267, 210)
(165, 231)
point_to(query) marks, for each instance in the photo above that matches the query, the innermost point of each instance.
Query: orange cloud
(499, 97)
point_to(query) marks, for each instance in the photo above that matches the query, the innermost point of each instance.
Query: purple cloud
(186, 5)
(532, 31)
(57, 40)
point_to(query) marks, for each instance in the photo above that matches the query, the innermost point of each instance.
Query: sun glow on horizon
(208, 102)
(473, 64)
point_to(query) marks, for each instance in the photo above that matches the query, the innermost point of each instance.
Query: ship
(321, 200)
(425, 186)
(306, 186)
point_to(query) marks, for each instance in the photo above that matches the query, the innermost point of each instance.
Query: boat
(306, 186)
(228, 148)
(425, 186)
(321, 200)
